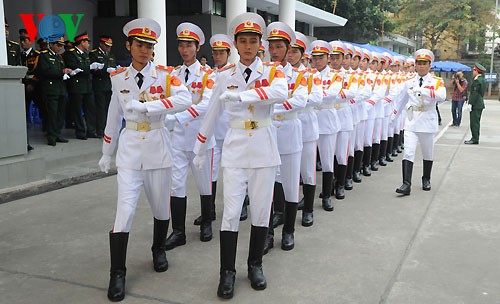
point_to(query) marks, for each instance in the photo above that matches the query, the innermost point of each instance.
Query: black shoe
(51, 142)
(287, 241)
(307, 219)
(116, 288)
(426, 178)
(82, 137)
(277, 219)
(348, 184)
(197, 221)
(471, 142)
(175, 239)
(61, 140)
(256, 277)
(405, 188)
(426, 184)
(382, 162)
(226, 284)
(339, 192)
(160, 263)
(178, 218)
(388, 157)
(356, 177)
(374, 166)
(118, 250)
(269, 243)
(327, 204)
(206, 214)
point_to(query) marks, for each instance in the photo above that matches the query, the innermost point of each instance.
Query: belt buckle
(251, 125)
(420, 108)
(279, 116)
(143, 126)
(337, 106)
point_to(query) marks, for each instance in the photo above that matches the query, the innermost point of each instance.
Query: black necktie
(420, 81)
(140, 81)
(187, 76)
(247, 74)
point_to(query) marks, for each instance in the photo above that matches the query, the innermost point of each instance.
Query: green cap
(478, 67)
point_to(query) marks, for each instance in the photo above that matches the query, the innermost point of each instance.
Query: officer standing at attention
(101, 82)
(80, 87)
(51, 71)
(247, 91)
(199, 82)
(476, 101)
(13, 48)
(142, 95)
(419, 96)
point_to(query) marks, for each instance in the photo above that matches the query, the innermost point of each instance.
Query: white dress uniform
(343, 103)
(250, 153)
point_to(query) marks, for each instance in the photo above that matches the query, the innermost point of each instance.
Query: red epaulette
(116, 72)
(270, 63)
(227, 67)
(168, 69)
(206, 70)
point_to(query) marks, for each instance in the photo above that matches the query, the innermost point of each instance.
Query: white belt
(250, 124)
(308, 109)
(143, 126)
(285, 116)
(423, 108)
(333, 106)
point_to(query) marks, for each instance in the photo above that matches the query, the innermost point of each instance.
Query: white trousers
(308, 162)
(341, 149)
(385, 128)
(156, 184)
(352, 136)
(360, 136)
(370, 124)
(377, 130)
(326, 147)
(217, 158)
(426, 141)
(289, 176)
(260, 185)
(183, 160)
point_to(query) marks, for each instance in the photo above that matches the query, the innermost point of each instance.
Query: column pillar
(156, 10)
(233, 9)
(287, 12)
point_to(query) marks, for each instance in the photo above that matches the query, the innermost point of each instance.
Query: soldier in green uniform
(13, 49)
(80, 88)
(101, 82)
(476, 101)
(50, 70)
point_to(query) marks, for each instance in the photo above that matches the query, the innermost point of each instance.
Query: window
(219, 8)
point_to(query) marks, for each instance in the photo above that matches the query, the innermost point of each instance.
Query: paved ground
(440, 246)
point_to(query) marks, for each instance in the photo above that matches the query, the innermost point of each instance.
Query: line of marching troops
(61, 69)
(264, 123)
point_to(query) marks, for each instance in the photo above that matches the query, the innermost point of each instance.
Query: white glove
(109, 70)
(96, 66)
(230, 96)
(199, 160)
(75, 71)
(66, 77)
(170, 122)
(105, 163)
(118, 67)
(135, 105)
(409, 112)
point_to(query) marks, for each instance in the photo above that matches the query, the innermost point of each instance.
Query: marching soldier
(246, 91)
(80, 88)
(101, 82)
(13, 48)
(476, 101)
(199, 81)
(142, 95)
(50, 69)
(419, 96)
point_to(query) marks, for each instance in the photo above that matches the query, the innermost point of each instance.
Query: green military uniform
(13, 53)
(49, 71)
(80, 93)
(101, 83)
(31, 89)
(476, 101)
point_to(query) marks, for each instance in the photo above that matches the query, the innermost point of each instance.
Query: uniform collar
(78, 50)
(194, 69)
(145, 71)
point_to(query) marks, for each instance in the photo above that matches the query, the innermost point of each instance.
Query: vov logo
(70, 21)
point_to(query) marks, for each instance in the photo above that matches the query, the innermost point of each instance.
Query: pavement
(440, 246)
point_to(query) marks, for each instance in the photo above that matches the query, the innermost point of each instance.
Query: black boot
(335, 177)
(206, 218)
(339, 190)
(228, 244)
(287, 237)
(388, 152)
(178, 216)
(307, 212)
(318, 162)
(244, 209)
(300, 206)
(426, 178)
(270, 234)
(118, 252)
(395, 143)
(358, 158)
(374, 157)
(160, 263)
(197, 221)
(402, 140)
(405, 188)
(279, 204)
(254, 262)
(367, 154)
(382, 152)
(349, 173)
(326, 189)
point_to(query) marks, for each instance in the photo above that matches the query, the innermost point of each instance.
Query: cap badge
(186, 32)
(146, 31)
(248, 23)
(218, 43)
(275, 31)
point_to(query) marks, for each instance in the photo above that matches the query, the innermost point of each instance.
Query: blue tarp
(449, 66)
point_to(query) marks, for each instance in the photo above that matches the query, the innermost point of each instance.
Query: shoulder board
(168, 69)
(94, 50)
(36, 51)
(227, 67)
(177, 67)
(116, 72)
(206, 70)
(311, 70)
(12, 41)
(270, 63)
(44, 51)
(71, 50)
